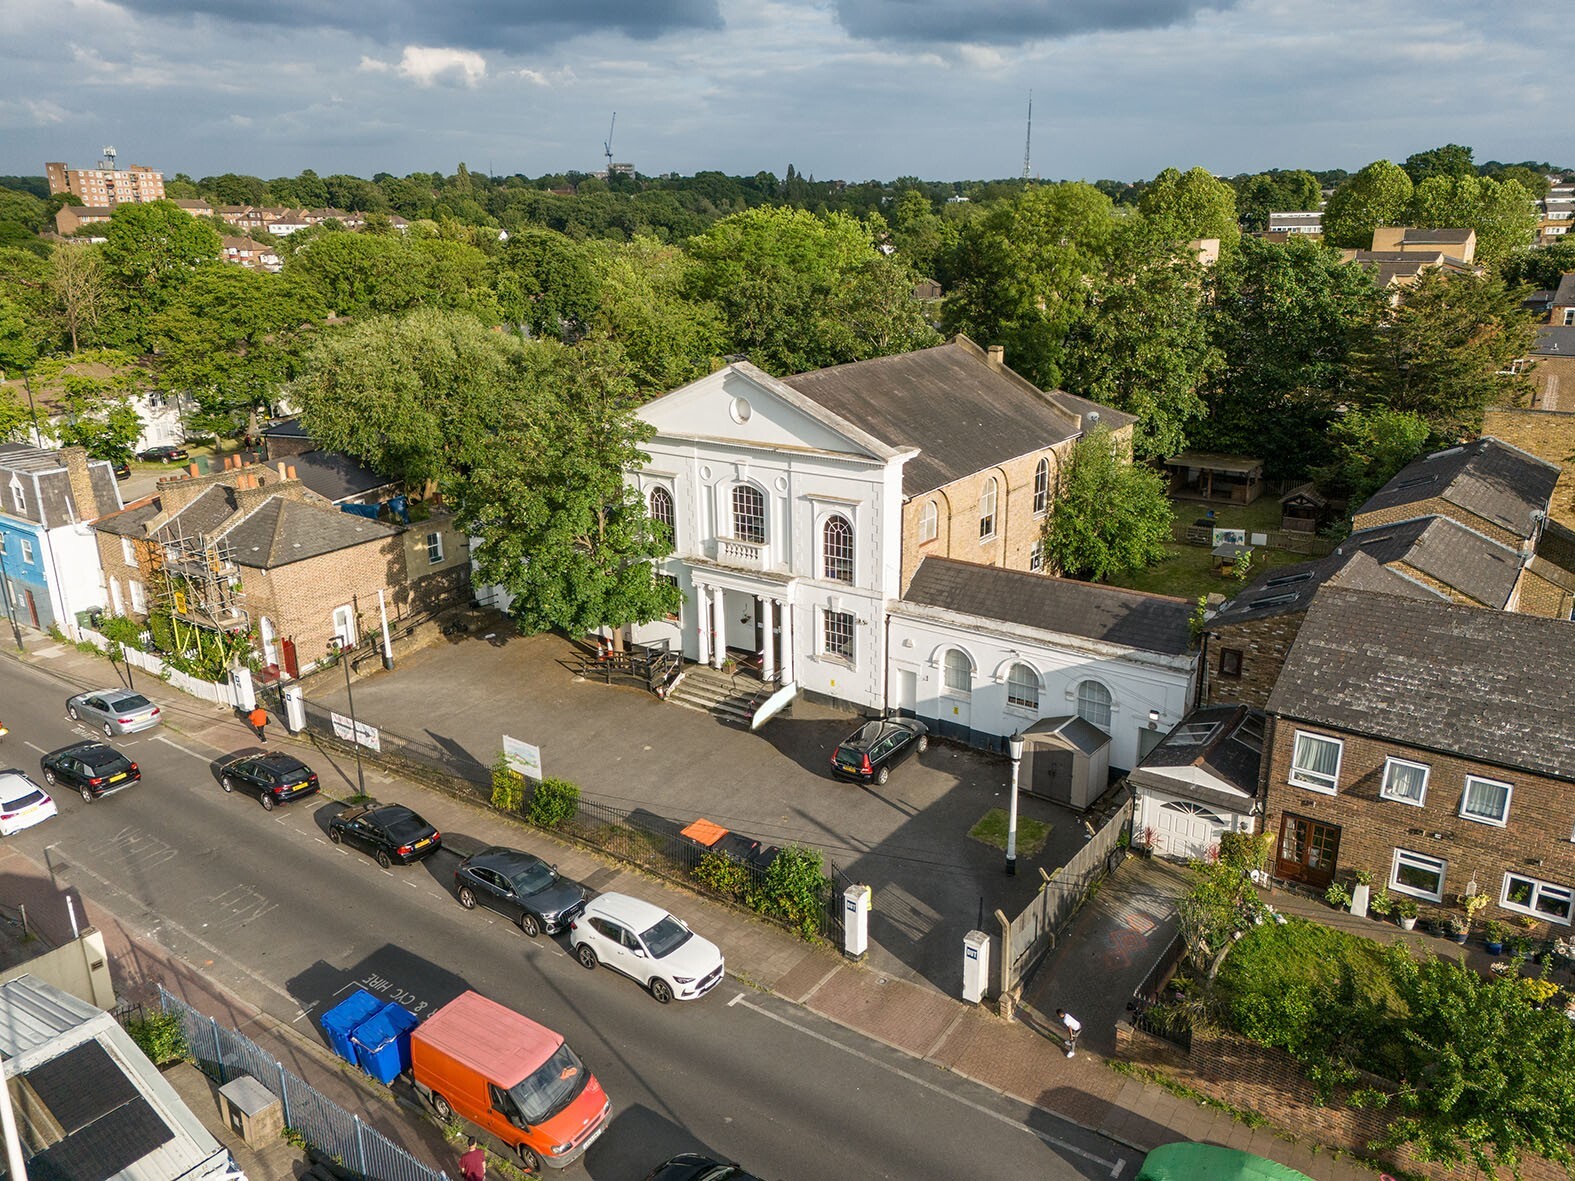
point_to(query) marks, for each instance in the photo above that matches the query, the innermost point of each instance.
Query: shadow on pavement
(638, 1139)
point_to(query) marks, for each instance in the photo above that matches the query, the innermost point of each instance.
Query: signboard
(1230, 537)
(359, 732)
(523, 757)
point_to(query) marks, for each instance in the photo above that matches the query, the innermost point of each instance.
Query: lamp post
(343, 650)
(1014, 746)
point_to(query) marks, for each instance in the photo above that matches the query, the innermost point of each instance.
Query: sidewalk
(1020, 1058)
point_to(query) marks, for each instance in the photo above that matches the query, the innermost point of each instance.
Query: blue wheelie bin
(341, 1021)
(382, 1042)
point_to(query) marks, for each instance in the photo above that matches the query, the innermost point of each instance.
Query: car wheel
(441, 1107)
(586, 955)
(267, 801)
(924, 743)
(661, 990)
(87, 795)
(109, 731)
(384, 859)
(49, 778)
(335, 835)
(528, 924)
(882, 775)
(529, 1161)
(467, 898)
(227, 783)
(71, 712)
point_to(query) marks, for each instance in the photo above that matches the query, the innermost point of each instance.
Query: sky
(849, 89)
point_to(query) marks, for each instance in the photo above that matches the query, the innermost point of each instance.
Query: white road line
(34, 746)
(185, 750)
(1115, 1166)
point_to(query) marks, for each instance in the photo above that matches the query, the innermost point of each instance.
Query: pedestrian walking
(473, 1162)
(259, 720)
(1073, 1027)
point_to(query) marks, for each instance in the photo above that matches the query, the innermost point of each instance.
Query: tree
(79, 286)
(1221, 902)
(1110, 516)
(1378, 195)
(545, 283)
(1369, 447)
(1264, 193)
(1501, 212)
(151, 247)
(1449, 160)
(94, 391)
(1144, 346)
(1541, 267)
(666, 338)
(919, 233)
(1193, 204)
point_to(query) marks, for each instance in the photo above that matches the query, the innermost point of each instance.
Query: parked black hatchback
(92, 768)
(691, 1166)
(871, 751)
(521, 886)
(390, 832)
(273, 778)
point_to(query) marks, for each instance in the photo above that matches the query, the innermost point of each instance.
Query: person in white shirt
(1073, 1027)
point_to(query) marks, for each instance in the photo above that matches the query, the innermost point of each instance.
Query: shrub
(117, 629)
(160, 1036)
(726, 877)
(508, 786)
(795, 890)
(1337, 895)
(553, 803)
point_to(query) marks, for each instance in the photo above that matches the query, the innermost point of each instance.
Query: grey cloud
(511, 26)
(1009, 22)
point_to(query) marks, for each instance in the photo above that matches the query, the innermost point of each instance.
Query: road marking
(1115, 1166)
(34, 746)
(185, 750)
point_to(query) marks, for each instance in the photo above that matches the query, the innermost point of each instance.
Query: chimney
(996, 355)
(84, 499)
(282, 474)
(291, 475)
(191, 468)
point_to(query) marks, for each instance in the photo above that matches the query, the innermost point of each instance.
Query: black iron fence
(1149, 1009)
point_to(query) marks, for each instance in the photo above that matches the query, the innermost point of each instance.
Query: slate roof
(1486, 477)
(334, 475)
(1564, 294)
(284, 531)
(1446, 678)
(962, 414)
(1153, 623)
(1285, 590)
(1210, 765)
(203, 514)
(130, 520)
(1554, 340)
(1415, 235)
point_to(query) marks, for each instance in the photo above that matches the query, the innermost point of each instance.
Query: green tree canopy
(546, 283)
(1543, 266)
(152, 247)
(92, 394)
(1378, 195)
(1501, 212)
(1111, 517)
(666, 339)
(1449, 160)
(1193, 204)
(367, 274)
(1368, 448)
(1264, 193)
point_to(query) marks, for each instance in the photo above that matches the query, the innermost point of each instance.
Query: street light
(343, 650)
(1014, 746)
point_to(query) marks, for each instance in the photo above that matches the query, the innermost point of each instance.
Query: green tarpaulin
(1210, 1162)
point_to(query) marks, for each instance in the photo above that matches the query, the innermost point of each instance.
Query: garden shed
(1303, 510)
(1066, 759)
(1215, 479)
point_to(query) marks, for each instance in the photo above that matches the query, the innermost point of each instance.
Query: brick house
(1420, 742)
(249, 548)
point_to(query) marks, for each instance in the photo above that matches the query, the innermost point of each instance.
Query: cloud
(427, 65)
(1010, 22)
(510, 26)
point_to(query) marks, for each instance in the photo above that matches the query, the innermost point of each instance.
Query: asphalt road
(288, 921)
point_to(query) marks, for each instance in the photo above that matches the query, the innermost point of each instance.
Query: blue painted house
(49, 564)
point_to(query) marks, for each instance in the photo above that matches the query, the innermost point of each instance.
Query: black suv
(871, 751)
(93, 768)
(521, 886)
(390, 832)
(273, 778)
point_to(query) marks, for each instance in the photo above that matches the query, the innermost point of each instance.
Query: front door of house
(1308, 850)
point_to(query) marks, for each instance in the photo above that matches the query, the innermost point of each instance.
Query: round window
(740, 410)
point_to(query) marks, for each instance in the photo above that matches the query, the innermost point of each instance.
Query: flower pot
(1492, 948)
(1457, 936)
(1407, 922)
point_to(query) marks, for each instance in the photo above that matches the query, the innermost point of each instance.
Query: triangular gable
(746, 405)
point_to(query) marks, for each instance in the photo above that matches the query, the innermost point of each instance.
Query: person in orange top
(259, 719)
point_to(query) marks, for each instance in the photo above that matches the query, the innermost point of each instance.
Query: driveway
(907, 840)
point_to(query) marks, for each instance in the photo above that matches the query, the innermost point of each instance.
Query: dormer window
(18, 495)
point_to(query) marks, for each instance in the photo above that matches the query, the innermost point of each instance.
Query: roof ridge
(1056, 578)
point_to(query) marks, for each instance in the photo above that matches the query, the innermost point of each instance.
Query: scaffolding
(197, 582)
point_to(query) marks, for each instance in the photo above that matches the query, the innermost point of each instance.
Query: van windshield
(551, 1088)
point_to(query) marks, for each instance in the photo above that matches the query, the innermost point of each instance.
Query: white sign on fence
(360, 732)
(523, 757)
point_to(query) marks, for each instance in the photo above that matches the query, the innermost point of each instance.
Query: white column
(768, 658)
(703, 623)
(719, 622)
(787, 641)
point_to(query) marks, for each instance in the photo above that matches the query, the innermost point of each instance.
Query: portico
(757, 620)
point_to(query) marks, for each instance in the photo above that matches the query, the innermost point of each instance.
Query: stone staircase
(729, 698)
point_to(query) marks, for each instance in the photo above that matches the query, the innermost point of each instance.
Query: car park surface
(520, 886)
(392, 833)
(870, 752)
(273, 778)
(22, 803)
(116, 711)
(94, 769)
(648, 945)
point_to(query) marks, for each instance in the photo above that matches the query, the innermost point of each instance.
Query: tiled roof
(1486, 477)
(1419, 236)
(1214, 749)
(284, 531)
(1445, 550)
(1555, 340)
(1458, 680)
(962, 414)
(130, 520)
(334, 475)
(1285, 590)
(203, 514)
(1153, 623)
(1564, 295)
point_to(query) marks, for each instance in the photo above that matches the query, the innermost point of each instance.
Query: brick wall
(299, 599)
(1436, 506)
(1538, 596)
(1535, 841)
(112, 557)
(1263, 644)
(1547, 435)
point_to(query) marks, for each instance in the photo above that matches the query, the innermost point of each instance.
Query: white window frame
(668, 518)
(1042, 487)
(1538, 888)
(27, 550)
(967, 665)
(929, 522)
(1420, 861)
(735, 517)
(827, 619)
(1295, 776)
(1502, 820)
(128, 552)
(1108, 705)
(1385, 794)
(1036, 559)
(344, 625)
(828, 566)
(434, 544)
(988, 496)
(18, 496)
(1022, 703)
(139, 597)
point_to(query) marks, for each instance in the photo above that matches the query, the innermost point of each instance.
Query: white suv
(647, 944)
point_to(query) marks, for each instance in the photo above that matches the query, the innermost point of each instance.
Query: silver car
(118, 711)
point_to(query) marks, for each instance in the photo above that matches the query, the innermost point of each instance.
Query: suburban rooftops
(1486, 477)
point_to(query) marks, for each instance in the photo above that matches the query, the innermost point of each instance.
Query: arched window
(1022, 687)
(749, 513)
(959, 671)
(662, 512)
(837, 548)
(987, 510)
(929, 521)
(1041, 487)
(1093, 704)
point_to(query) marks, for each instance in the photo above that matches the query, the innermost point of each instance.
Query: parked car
(121, 468)
(93, 768)
(691, 1166)
(118, 711)
(521, 886)
(273, 778)
(871, 751)
(22, 803)
(164, 453)
(390, 832)
(648, 945)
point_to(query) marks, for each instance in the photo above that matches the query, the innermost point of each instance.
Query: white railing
(750, 555)
(220, 692)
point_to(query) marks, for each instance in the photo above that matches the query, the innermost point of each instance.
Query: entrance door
(32, 607)
(1052, 776)
(1308, 850)
(907, 692)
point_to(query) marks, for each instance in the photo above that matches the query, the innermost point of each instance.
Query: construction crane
(1028, 143)
(607, 144)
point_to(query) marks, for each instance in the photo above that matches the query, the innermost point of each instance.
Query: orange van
(510, 1076)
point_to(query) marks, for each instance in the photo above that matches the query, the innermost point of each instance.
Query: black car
(122, 469)
(390, 832)
(273, 778)
(521, 886)
(691, 1166)
(92, 768)
(164, 453)
(871, 751)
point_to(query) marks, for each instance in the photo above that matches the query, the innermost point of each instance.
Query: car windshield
(27, 799)
(666, 937)
(100, 757)
(533, 878)
(551, 1088)
(867, 734)
(128, 701)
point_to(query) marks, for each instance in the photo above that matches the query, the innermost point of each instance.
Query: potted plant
(1337, 896)
(1459, 926)
(1382, 905)
(1407, 911)
(1494, 935)
(1474, 904)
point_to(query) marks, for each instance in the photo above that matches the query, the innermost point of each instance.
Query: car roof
(94, 752)
(14, 784)
(389, 812)
(626, 909)
(279, 759)
(504, 858)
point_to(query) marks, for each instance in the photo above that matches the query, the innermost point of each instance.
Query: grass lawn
(1189, 570)
(991, 829)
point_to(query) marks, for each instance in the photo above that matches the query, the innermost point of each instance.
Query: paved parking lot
(907, 840)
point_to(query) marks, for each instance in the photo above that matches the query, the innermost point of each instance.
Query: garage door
(1187, 830)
